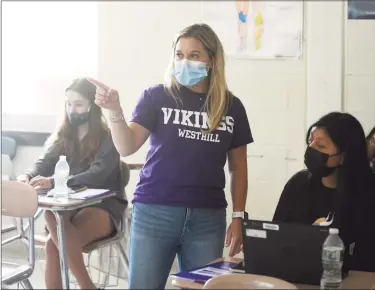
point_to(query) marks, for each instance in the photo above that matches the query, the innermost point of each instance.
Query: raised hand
(106, 97)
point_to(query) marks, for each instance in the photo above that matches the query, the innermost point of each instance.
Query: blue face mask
(188, 72)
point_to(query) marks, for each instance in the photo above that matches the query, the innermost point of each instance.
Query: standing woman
(194, 124)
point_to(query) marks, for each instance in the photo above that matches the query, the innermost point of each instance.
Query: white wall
(325, 33)
(360, 72)
(281, 97)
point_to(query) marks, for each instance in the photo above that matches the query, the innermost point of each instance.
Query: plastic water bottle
(61, 177)
(332, 259)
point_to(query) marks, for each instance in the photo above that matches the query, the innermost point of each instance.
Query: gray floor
(16, 252)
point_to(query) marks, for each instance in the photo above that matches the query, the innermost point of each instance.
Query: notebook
(50, 192)
(89, 193)
(82, 194)
(203, 274)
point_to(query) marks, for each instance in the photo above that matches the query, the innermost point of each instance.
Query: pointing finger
(98, 84)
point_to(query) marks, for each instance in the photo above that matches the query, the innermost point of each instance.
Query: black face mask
(77, 119)
(316, 162)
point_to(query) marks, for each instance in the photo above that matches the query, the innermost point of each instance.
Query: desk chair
(6, 166)
(19, 200)
(17, 224)
(246, 281)
(109, 262)
(7, 174)
(8, 146)
(105, 249)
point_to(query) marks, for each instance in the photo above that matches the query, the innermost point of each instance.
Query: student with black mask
(84, 138)
(337, 189)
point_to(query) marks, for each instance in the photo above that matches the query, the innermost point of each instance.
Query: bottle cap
(63, 157)
(333, 231)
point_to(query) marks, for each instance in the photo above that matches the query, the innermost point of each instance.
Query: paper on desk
(89, 193)
(50, 192)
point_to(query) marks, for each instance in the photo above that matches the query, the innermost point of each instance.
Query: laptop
(287, 251)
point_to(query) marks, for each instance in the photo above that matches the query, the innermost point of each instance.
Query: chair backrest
(246, 281)
(125, 171)
(6, 165)
(8, 147)
(18, 199)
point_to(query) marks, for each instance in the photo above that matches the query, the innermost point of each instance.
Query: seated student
(337, 189)
(371, 148)
(94, 162)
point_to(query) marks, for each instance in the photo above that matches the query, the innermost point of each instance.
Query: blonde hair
(218, 95)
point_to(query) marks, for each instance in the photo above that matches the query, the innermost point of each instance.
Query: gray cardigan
(104, 172)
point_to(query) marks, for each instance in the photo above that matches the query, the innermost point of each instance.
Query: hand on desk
(40, 182)
(234, 237)
(23, 178)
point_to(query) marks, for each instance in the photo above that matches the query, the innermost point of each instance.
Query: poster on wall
(361, 9)
(257, 29)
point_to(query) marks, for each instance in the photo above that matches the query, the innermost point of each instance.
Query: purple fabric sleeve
(241, 133)
(144, 113)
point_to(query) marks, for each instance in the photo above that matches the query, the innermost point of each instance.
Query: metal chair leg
(123, 256)
(8, 228)
(26, 284)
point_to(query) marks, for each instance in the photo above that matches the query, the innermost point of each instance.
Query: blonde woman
(194, 125)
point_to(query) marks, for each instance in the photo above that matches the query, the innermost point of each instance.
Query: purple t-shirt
(184, 166)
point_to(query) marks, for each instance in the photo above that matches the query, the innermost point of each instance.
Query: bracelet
(117, 118)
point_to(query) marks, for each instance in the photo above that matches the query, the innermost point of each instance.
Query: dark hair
(354, 176)
(67, 142)
(84, 88)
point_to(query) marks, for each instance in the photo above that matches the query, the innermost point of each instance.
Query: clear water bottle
(61, 176)
(332, 260)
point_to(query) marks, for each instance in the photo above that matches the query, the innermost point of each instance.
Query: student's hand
(40, 182)
(234, 237)
(23, 178)
(106, 97)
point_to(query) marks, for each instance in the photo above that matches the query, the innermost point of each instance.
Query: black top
(103, 172)
(306, 200)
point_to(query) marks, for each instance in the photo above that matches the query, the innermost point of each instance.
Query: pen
(80, 189)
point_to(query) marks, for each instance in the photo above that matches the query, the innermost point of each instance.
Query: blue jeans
(159, 232)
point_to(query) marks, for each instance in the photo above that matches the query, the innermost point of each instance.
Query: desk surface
(135, 165)
(51, 203)
(355, 280)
